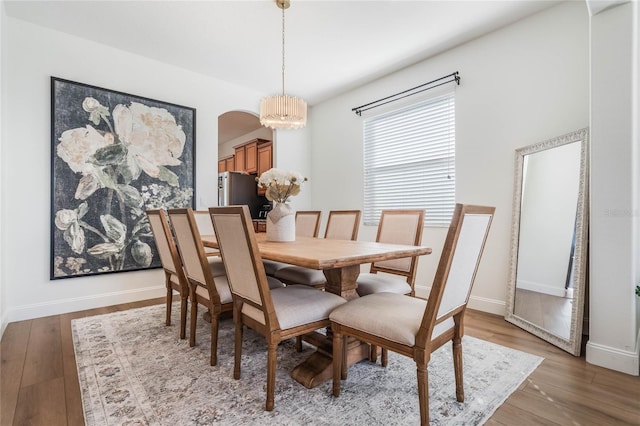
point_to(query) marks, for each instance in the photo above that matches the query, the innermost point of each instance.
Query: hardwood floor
(39, 382)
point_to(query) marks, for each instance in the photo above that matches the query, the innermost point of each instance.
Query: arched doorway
(238, 127)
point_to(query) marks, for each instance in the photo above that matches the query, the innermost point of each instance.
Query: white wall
(615, 190)
(523, 84)
(291, 151)
(636, 175)
(3, 39)
(29, 59)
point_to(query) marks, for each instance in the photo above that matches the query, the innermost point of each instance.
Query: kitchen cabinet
(246, 156)
(251, 157)
(230, 164)
(240, 159)
(260, 226)
(265, 157)
(226, 164)
(265, 160)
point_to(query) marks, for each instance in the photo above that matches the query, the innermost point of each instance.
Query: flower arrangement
(280, 184)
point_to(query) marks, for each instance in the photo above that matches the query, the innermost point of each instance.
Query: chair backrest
(308, 223)
(203, 220)
(457, 268)
(205, 227)
(165, 244)
(245, 271)
(192, 251)
(343, 225)
(400, 227)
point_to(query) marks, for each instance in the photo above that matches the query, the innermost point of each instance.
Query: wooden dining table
(340, 262)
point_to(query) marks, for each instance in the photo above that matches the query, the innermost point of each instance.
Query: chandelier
(283, 111)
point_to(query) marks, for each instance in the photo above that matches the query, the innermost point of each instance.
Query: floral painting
(114, 156)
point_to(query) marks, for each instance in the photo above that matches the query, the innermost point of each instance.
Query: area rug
(134, 370)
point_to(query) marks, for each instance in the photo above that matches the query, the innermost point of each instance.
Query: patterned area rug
(134, 370)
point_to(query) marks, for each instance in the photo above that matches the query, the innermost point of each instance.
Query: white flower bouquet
(279, 184)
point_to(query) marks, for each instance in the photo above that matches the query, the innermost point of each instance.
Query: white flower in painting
(95, 110)
(90, 104)
(77, 145)
(69, 221)
(152, 136)
(65, 218)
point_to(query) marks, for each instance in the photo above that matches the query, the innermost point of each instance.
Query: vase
(281, 223)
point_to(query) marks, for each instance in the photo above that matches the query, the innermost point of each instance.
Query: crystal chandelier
(283, 111)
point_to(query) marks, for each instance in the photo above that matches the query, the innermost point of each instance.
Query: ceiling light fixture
(283, 111)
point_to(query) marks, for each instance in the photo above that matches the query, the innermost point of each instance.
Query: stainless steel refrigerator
(236, 188)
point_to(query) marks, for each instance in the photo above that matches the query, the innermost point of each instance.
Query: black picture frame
(114, 156)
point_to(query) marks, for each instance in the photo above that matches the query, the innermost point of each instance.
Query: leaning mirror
(549, 240)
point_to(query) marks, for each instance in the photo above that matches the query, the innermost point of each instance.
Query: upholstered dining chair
(175, 278)
(208, 287)
(277, 315)
(415, 327)
(398, 275)
(341, 225)
(205, 227)
(307, 225)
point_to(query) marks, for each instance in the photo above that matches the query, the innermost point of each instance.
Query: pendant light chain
(283, 51)
(283, 111)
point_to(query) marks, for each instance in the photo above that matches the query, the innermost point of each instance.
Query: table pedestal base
(318, 368)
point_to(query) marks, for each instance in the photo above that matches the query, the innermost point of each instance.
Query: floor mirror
(549, 240)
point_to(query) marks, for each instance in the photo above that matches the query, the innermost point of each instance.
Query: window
(409, 160)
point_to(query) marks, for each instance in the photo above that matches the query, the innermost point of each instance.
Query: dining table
(340, 261)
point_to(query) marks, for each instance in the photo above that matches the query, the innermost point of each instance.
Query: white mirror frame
(573, 343)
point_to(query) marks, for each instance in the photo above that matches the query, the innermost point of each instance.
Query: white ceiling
(331, 46)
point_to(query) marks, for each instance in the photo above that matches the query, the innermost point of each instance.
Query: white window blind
(409, 160)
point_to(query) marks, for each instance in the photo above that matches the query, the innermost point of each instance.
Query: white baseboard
(483, 304)
(614, 358)
(63, 306)
(541, 288)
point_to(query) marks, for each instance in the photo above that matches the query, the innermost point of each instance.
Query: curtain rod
(430, 85)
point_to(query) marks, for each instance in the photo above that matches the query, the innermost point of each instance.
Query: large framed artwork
(113, 156)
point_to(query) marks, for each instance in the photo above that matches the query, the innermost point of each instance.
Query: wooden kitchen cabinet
(260, 226)
(230, 164)
(226, 164)
(265, 160)
(246, 156)
(251, 157)
(240, 159)
(265, 157)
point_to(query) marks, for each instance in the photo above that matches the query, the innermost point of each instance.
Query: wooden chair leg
(423, 393)
(169, 301)
(271, 374)
(237, 360)
(343, 358)
(215, 319)
(183, 316)
(298, 343)
(457, 368)
(193, 319)
(337, 362)
(385, 357)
